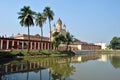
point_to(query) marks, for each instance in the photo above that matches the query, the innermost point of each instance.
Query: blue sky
(88, 20)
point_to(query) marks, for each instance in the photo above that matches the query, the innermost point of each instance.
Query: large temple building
(58, 27)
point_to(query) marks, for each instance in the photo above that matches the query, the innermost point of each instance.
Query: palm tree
(40, 19)
(56, 41)
(26, 19)
(49, 14)
(68, 39)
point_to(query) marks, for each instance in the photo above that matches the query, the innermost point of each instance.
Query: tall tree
(49, 14)
(26, 19)
(68, 39)
(56, 40)
(115, 43)
(40, 20)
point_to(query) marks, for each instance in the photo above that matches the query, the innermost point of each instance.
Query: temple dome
(59, 21)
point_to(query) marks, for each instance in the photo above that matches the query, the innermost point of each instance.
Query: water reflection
(115, 60)
(53, 68)
(61, 71)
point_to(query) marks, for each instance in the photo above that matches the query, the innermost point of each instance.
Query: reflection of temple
(103, 58)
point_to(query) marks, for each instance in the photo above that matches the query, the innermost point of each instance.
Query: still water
(80, 67)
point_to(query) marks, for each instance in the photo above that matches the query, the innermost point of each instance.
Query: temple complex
(20, 41)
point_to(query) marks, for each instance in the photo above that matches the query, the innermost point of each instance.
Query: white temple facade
(58, 27)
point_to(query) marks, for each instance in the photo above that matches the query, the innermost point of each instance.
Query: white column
(41, 46)
(17, 44)
(7, 44)
(12, 43)
(1, 44)
(22, 44)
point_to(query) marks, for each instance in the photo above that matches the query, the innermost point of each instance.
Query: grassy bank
(108, 51)
(16, 53)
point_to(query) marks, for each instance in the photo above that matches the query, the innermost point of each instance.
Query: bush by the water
(6, 55)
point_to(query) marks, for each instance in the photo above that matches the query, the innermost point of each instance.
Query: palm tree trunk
(28, 39)
(41, 33)
(67, 46)
(50, 34)
(41, 37)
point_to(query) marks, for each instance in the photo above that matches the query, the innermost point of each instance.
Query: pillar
(22, 44)
(11, 67)
(41, 46)
(7, 44)
(1, 44)
(17, 44)
(30, 66)
(12, 44)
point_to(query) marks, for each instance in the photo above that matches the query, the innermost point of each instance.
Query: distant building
(85, 46)
(79, 45)
(103, 45)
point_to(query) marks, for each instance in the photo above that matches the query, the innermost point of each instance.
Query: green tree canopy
(115, 43)
(58, 39)
(68, 39)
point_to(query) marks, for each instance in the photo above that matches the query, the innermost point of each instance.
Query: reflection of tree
(60, 71)
(40, 75)
(0, 77)
(115, 61)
